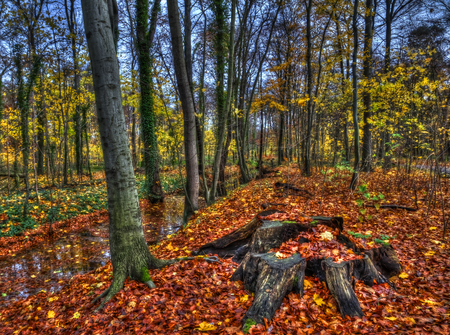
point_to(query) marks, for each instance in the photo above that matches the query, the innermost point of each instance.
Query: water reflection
(44, 267)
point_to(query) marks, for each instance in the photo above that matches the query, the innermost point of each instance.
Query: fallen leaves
(403, 275)
(318, 300)
(205, 326)
(181, 303)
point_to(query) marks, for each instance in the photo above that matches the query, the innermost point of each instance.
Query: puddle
(44, 267)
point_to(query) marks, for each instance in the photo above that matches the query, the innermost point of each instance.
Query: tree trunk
(367, 138)
(355, 97)
(184, 89)
(309, 83)
(129, 252)
(144, 38)
(41, 121)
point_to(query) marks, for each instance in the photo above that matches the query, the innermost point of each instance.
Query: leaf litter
(197, 297)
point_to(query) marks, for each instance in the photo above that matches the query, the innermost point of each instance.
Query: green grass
(61, 204)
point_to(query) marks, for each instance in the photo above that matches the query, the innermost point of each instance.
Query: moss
(288, 222)
(295, 280)
(248, 324)
(145, 276)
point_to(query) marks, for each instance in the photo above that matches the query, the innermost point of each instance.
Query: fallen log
(293, 188)
(409, 209)
(270, 279)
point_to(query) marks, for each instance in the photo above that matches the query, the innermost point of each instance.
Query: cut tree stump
(385, 260)
(272, 234)
(227, 245)
(338, 277)
(259, 236)
(270, 279)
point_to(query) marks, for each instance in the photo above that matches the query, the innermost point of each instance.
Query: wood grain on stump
(270, 279)
(338, 276)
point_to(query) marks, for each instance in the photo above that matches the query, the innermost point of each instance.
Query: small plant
(248, 324)
(367, 196)
(358, 235)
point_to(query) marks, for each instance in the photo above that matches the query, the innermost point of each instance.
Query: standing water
(45, 267)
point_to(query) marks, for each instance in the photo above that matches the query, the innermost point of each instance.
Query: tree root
(119, 279)
(110, 292)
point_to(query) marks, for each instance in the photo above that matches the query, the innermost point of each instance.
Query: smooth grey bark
(187, 103)
(129, 251)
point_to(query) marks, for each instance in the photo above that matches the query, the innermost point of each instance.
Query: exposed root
(150, 284)
(111, 291)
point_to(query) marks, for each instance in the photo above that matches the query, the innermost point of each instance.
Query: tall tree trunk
(368, 37)
(133, 137)
(144, 37)
(41, 121)
(129, 251)
(309, 83)
(355, 96)
(200, 122)
(387, 66)
(184, 89)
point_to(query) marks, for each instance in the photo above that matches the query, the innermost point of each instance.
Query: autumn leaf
(205, 326)
(429, 253)
(50, 314)
(392, 318)
(307, 283)
(403, 275)
(411, 320)
(433, 228)
(76, 315)
(243, 298)
(318, 300)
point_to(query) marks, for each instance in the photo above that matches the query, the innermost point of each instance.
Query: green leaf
(363, 211)
(360, 202)
(377, 206)
(381, 196)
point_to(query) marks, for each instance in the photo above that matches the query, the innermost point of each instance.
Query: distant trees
(257, 82)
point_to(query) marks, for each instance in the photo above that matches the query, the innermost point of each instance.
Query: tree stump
(338, 276)
(227, 245)
(272, 234)
(385, 260)
(270, 279)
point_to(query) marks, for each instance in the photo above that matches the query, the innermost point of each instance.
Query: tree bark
(368, 37)
(309, 83)
(184, 89)
(129, 252)
(355, 97)
(144, 40)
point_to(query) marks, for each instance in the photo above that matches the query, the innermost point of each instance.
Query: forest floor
(196, 296)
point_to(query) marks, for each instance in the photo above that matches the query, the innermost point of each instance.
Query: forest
(224, 166)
